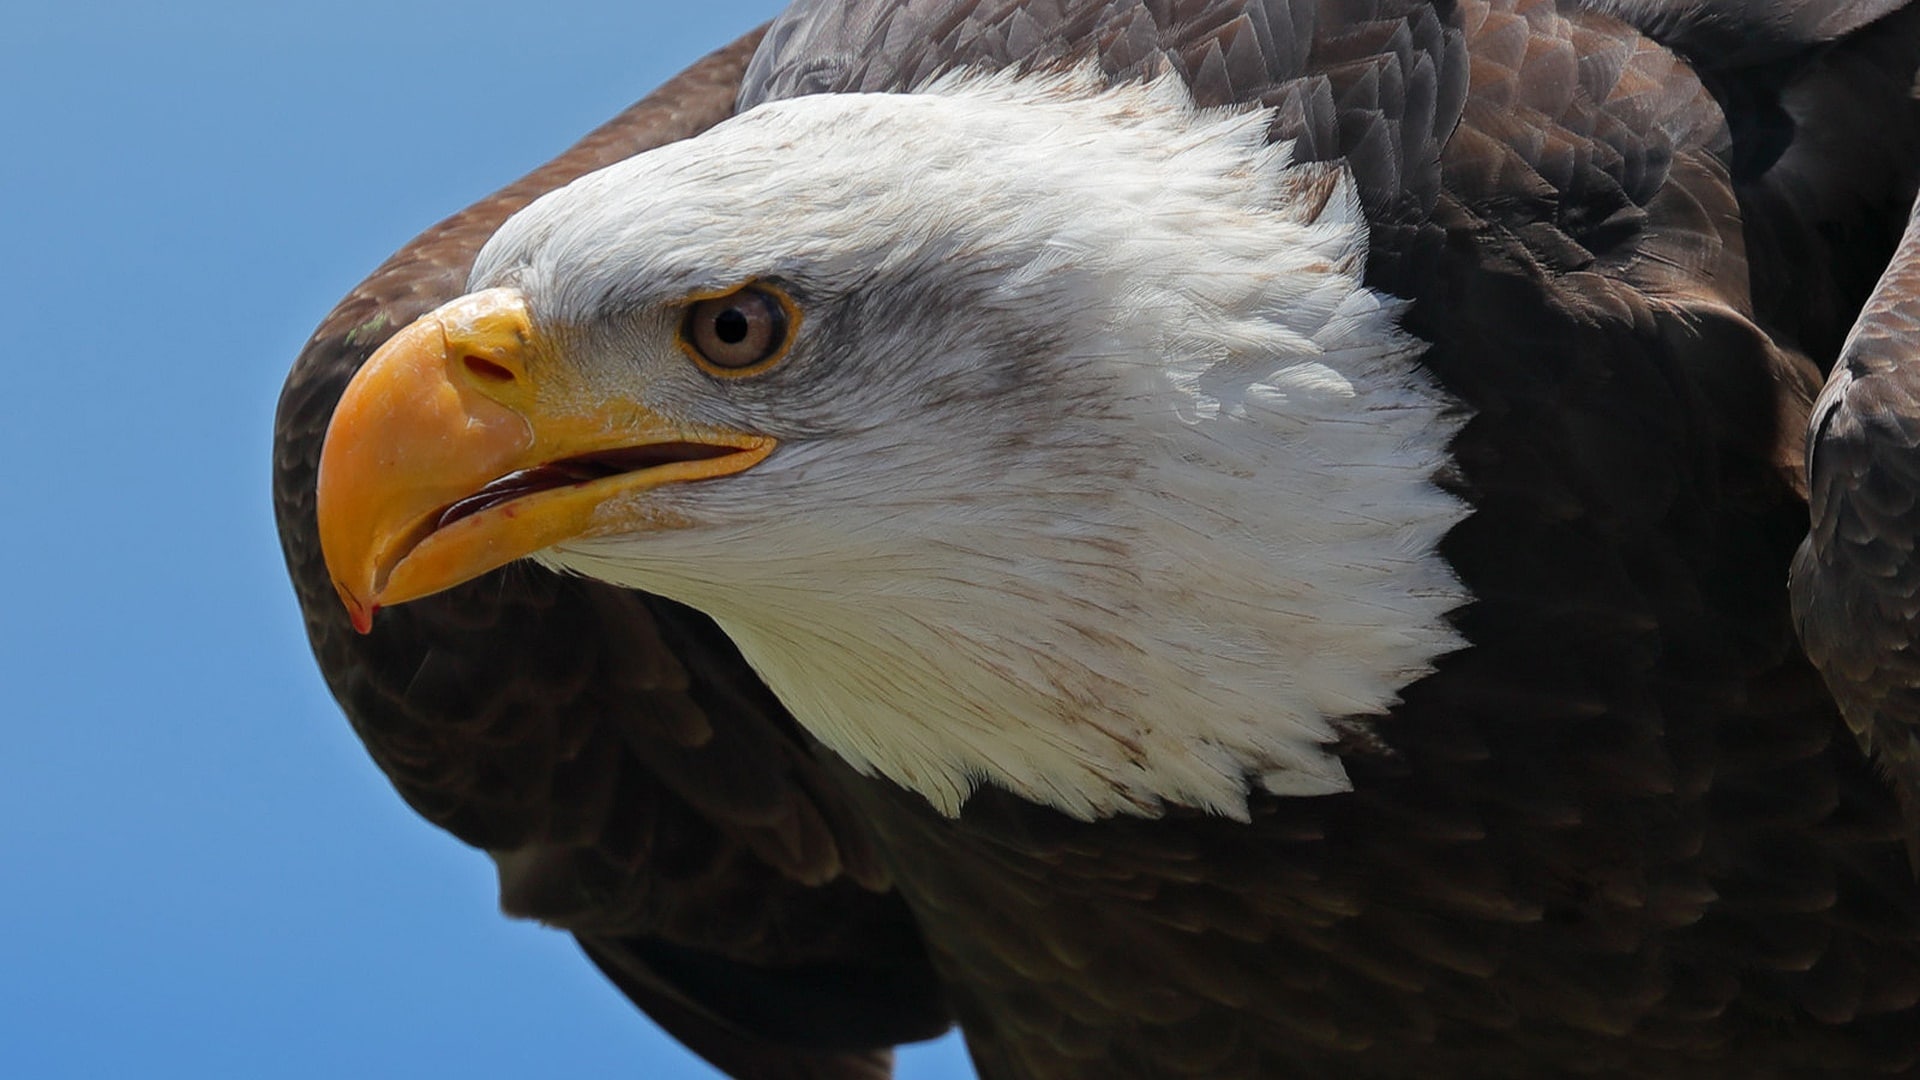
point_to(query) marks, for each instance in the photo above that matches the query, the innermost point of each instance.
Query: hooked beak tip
(358, 613)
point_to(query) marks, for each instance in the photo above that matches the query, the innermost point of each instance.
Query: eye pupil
(731, 326)
(741, 332)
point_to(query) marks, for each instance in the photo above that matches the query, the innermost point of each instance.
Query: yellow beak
(463, 444)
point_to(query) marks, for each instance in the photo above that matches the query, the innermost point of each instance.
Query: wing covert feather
(1856, 581)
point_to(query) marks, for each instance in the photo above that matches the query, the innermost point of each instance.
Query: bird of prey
(1191, 538)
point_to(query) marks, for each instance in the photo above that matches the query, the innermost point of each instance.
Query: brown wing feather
(1736, 33)
(1826, 169)
(1856, 581)
(631, 778)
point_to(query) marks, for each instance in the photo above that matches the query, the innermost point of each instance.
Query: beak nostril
(486, 370)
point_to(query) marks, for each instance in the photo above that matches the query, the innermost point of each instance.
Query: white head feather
(1102, 478)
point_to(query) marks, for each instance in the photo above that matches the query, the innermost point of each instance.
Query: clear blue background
(201, 874)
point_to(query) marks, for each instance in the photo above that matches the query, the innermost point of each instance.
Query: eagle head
(1023, 430)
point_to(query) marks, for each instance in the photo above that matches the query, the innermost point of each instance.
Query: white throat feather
(1136, 527)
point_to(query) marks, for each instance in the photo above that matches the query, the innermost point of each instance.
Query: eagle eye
(743, 332)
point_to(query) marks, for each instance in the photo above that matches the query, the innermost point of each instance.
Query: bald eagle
(1214, 538)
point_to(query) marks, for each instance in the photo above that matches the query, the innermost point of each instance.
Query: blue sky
(202, 873)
